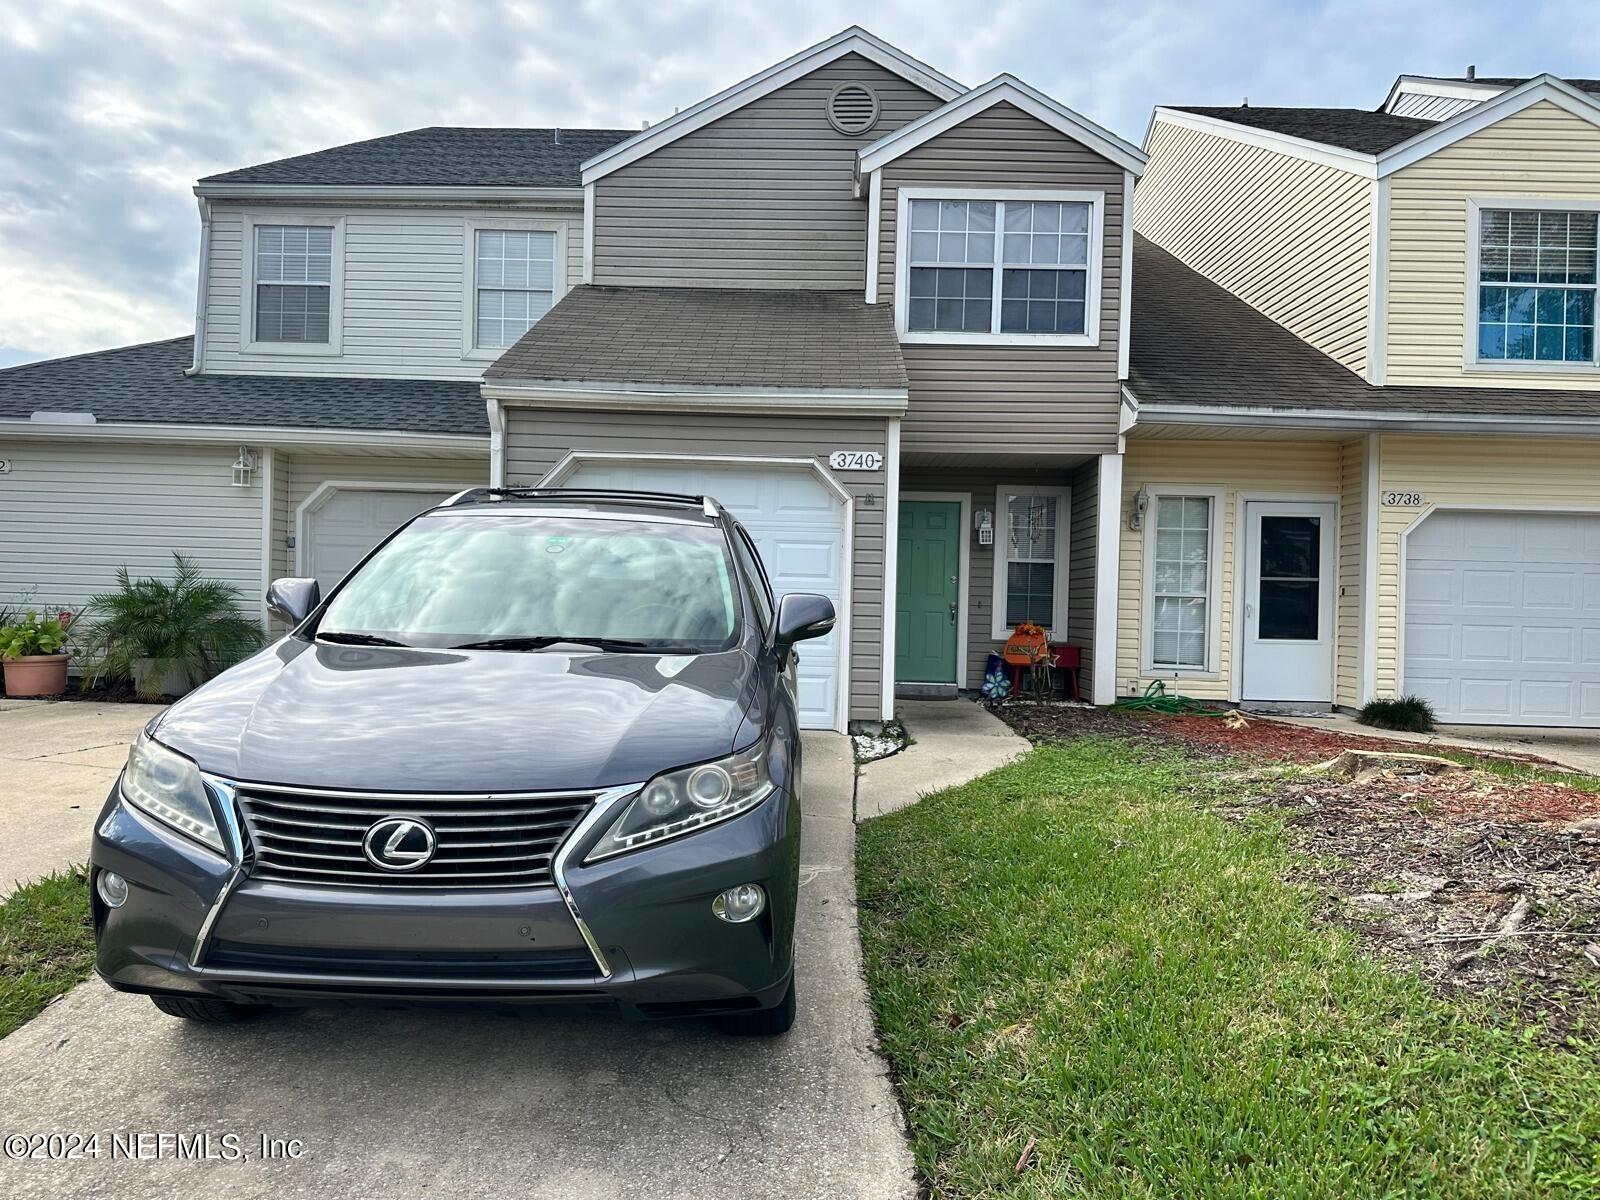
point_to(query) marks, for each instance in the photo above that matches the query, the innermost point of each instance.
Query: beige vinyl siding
(763, 197)
(404, 297)
(537, 439)
(1288, 469)
(1291, 238)
(72, 512)
(1542, 152)
(1010, 399)
(1430, 108)
(1466, 472)
(1352, 510)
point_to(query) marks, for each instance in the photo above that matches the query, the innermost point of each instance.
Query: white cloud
(111, 110)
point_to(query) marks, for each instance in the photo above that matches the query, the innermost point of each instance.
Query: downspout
(497, 443)
(201, 289)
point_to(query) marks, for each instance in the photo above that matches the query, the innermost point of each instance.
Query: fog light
(740, 904)
(113, 888)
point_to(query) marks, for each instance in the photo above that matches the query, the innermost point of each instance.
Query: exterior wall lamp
(243, 467)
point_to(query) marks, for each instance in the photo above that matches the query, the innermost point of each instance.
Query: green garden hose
(1157, 699)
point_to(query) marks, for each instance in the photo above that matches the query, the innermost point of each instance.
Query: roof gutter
(1382, 420)
(854, 402)
(201, 288)
(330, 193)
(470, 445)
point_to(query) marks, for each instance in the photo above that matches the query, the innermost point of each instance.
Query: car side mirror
(802, 616)
(291, 600)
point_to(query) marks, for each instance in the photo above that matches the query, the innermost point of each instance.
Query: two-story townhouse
(1361, 414)
(881, 316)
(348, 301)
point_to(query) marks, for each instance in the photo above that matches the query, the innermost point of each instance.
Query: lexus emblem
(400, 844)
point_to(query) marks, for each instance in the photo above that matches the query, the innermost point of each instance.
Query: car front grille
(305, 836)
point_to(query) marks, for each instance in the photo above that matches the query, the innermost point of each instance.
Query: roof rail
(658, 499)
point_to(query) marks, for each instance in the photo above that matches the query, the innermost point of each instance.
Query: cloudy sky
(110, 109)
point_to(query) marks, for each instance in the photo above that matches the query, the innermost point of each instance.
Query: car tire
(204, 1009)
(766, 1022)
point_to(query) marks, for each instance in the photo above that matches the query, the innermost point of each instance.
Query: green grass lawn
(1072, 950)
(46, 945)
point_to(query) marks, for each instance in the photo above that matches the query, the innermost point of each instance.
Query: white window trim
(1094, 271)
(1148, 669)
(1002, 540)
(559, 282)
(247, 286)
(1469, 337)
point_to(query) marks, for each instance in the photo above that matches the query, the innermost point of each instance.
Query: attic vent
(852, 108)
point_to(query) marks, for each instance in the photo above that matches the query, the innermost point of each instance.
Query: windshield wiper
(615, 645)
(341, 638)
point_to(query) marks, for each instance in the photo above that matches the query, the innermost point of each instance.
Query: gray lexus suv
(540, 745)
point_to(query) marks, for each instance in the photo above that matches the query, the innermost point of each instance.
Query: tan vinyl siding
(763, 197)
(1543, 152)
(1289, 469)
(1010, 399)
(72, 512)
(1466, 472)
(537, 439)
(1291, 238)
(404, 297)
(1352, 508)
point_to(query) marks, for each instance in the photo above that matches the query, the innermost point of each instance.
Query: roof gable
(1002, 89)
(854, 40)
(1473, 120)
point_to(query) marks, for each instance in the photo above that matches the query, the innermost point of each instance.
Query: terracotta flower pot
(36, 675)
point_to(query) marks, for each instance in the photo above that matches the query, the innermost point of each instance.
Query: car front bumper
(195, 923)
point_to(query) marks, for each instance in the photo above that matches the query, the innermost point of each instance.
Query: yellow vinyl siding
(1288, 469)
(1291, 238)
(1352, 496)
(1466, 472)
(1542, 152)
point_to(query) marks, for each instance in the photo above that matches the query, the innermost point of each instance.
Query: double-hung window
(1018, 268)
(515, 283)
(293, 282)
(1030, 574)
(1179, 561)
(1536, 285)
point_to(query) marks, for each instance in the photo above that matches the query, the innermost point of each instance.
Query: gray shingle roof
(145, 384)
(442, 156)
(1510, 81)
(714, 337)
(1349, 128)
(1195, 343)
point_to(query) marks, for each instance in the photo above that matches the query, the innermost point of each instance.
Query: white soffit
(854, 40)
(1002, 89)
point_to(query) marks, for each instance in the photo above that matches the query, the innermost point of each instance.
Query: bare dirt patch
(1485, 885)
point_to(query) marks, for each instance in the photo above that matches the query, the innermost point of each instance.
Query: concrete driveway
(413, 1102)
(57, 761)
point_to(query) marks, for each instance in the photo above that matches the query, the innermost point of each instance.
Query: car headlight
(168, 786)
(679, 802)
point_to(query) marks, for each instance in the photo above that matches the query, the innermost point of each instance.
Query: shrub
(1409, 714)
(149, 629)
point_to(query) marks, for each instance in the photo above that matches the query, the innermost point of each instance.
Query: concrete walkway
(57, 761)
(430, 1103)
(954, 741)
(1574, 749)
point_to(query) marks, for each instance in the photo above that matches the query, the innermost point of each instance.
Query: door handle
(952, 612)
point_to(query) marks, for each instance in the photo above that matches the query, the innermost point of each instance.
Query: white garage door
(344, 524)
(798, 525)
(1502, 618)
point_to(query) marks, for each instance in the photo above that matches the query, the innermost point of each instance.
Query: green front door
(927, 591)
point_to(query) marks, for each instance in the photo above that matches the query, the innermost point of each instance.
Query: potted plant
(34, 653)
(167, 637)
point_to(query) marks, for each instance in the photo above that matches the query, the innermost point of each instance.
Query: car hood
(402, 719)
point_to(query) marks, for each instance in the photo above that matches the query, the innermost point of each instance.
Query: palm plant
(151, 630)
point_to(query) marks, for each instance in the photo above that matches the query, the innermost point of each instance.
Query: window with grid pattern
(515, 283)
(293, 283)
(1031, 529)
(1180, 587)
(1536, 285)
(975, 266)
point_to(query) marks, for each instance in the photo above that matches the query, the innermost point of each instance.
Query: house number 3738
(1403, 500)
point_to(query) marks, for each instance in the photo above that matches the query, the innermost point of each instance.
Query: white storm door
(1288, 600)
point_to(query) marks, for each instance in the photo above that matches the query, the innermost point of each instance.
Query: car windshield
(521, 581)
